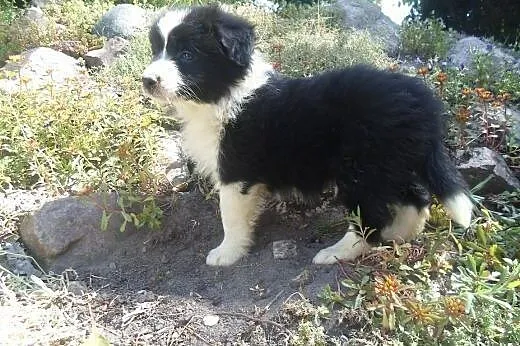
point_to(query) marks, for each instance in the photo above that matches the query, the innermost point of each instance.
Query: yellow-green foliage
(77, 136)
(304, 54)
(309, 334)
(318, 43)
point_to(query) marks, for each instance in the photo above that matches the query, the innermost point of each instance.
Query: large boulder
(480, 163)
(465, 49)
(39, 67)
(123, 20)
(366, 15)
(67, 232)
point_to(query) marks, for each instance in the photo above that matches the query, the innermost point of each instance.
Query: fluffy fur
(376, 136)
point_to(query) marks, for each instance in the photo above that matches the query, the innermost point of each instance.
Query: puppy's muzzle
(150, 83)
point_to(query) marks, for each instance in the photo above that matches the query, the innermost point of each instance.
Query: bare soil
(162, 277)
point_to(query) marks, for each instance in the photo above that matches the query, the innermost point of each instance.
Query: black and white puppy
(375, 136)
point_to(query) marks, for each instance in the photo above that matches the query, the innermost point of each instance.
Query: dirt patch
(167, 270)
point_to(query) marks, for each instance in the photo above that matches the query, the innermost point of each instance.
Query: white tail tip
(459, 208)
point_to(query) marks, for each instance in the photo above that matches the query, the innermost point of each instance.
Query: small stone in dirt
(112, 265)
(17, 261)
(165, 259)
(145, 296)
(302, 279)
(283, 249)
(210, 320)
(258, 336)
(78, 288)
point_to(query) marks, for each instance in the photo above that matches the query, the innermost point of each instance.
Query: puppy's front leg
(239, 212)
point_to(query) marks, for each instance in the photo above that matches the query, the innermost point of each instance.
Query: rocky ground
(154, 287)
(144, 287)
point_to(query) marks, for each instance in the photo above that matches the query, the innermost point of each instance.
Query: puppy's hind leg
(239, 212)
(351, 246)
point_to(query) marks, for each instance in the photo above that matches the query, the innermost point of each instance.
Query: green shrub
(78, 136)
(319, 43)
(425, 38)
(492, 18)
(307, 53)
(8, 13)
(498, 78)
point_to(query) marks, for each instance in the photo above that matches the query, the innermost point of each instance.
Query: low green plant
(82, 138)
(8, 14)
(8, 11)
(76, 135)
(478, 99)
(450, 288)
(303, 54)
(320, 42)
(425, 38)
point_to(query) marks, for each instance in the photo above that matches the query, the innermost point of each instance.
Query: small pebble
(283, 249)
(78, 288)
(210, 320)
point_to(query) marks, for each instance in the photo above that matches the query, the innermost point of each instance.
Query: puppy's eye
(186, 56)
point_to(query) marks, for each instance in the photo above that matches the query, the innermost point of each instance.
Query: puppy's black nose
(150, 82)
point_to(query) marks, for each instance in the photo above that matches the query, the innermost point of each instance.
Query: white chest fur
(201, 138)
(203, 124)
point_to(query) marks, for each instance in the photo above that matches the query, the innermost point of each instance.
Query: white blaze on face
(164, 70)
(167, 75)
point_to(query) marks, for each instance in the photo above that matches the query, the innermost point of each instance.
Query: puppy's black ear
(237, 38)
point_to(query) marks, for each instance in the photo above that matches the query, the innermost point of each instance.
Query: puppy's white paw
(225, 255)
(348, 248)
(329, 255)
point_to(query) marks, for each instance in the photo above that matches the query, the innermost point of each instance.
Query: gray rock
(67, 232)
(171, 161)
(123, 20)
(78, 288)
(113, 49)
(283, 249)
(464, 50)
(43, 3)
(480, 163)
(36, 16)
(39, 67)
(365, 15)
(17, 261)
(513, 115)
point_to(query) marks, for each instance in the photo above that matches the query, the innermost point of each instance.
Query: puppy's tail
(447, 183)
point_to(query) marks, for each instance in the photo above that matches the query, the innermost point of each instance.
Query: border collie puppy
(375, 136)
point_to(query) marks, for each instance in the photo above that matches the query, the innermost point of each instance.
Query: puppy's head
(198, 55)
